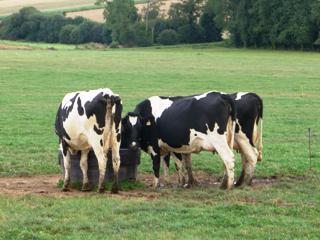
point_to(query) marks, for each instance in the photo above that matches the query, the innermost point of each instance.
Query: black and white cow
(248, 136)
(184, 125)
(90, 120)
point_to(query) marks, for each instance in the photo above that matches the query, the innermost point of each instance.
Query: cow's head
(131, 133)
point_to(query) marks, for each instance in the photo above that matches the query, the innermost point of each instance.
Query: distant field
(9, 6)
(33, 83)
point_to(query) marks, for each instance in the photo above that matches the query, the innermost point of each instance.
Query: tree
(65, 33)
(212, 31)
(168, 37)
(120, 16)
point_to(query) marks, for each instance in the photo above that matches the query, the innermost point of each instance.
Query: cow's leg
(227, 156)
(249, 156)
(180, 167)
(156, 168)
(84, 169)
(67, 167)
(188, 163)
(166, 163)
(115, 164)
(240, 180)
(102, 162)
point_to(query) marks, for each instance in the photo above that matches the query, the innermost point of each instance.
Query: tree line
(293, 24)
(32, 25)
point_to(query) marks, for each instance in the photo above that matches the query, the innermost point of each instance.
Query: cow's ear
(148, 120)
(133, 114)
(105, 98)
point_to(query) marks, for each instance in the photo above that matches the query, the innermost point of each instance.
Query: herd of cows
(162, 127)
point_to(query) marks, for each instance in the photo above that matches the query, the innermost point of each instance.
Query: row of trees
(250, 23)
(270, 23)
(33, 25)
(189, 21)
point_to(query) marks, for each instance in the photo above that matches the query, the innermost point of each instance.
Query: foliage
(272, 23)
(120, 16)
(168, 37)
(191, 33)
(32, 25)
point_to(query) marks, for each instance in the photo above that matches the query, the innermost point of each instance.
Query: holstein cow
(90, 120)
(248, 136)
(184, 125)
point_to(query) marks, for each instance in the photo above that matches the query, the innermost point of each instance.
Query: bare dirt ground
(94, 14)
(46, 185)
(97, 14)
(10, 47)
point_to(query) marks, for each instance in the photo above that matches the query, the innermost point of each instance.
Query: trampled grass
(33, 83)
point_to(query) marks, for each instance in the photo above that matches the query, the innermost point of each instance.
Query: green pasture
(33, 82)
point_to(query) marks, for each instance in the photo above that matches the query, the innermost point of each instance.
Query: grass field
(33, 83)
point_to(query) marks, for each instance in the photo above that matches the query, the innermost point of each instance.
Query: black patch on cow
(59, 129)
(80, 108)
(101, 142)
(249, 109)
(118, 110)
(61, 116)
(118, 137)
(97, 130)
(65, 147)
(186, 113)
(97, 107)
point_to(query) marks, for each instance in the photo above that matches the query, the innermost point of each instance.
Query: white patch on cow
(240, 94)
(205, 94)
(148, 123)
(133, 120)
(198, 141)
(134, 144)
(158, 105)
(202, 95)
(151, 151)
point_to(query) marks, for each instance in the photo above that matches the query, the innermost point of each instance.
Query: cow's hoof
(101, 190)
(85, 187)
(65, 189)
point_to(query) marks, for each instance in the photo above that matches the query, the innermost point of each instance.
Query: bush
(65, 33)
(114, 44)
(191, 33)
(168, 37)
(143, 38)
(127, 37)
(76, 37)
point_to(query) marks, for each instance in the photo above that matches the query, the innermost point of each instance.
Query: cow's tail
(116, 100)
(231, 126)
(260, 123)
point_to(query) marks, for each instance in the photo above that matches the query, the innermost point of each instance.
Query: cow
(183, 125)
(90, 120)
(247, 140)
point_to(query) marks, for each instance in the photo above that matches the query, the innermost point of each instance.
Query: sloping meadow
(33, 83)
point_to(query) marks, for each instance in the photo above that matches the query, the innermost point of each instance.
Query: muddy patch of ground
(47, 185)
(13, 47)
